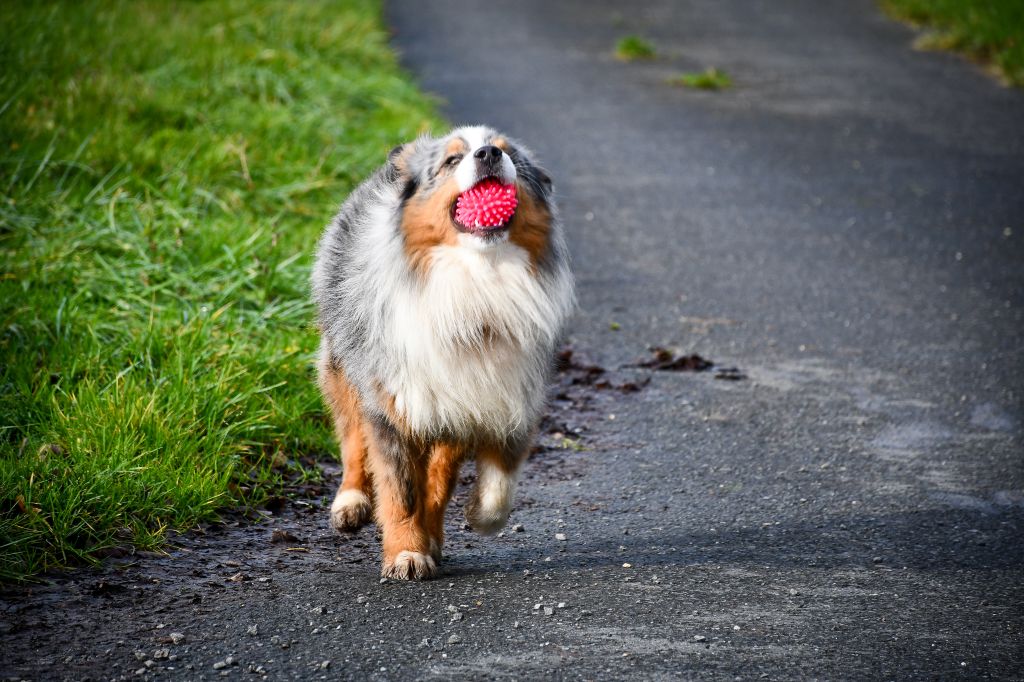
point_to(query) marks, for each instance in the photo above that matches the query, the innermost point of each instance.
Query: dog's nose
(488, 154)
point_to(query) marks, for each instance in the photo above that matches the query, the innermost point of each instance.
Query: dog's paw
(410, 566)
(491, 500)
(350, 510)
(486, 519)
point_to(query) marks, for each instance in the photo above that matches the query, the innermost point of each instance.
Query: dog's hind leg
(353, 504)
(399, 468)
(497, 470)
(442, 473)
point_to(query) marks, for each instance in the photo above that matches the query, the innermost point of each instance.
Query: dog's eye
(453, 159)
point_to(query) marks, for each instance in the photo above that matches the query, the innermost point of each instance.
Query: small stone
(177, 638)
(280, 535)
(140, 671)
(325, 665)
(231, 660)
(140, 656)
(455, 639)
(560, 537)
(517, 528)
(793, 592)
(161, 654)
(561, 604)
(876, 560)
(317, 610)
(361, 599)
(457, 616)
(237, 577)
(627, 565)
(252, 630)
(548, 610)
(149, 663)
(700, 638)
(425, 642)
(516, 625)
(220, 665)
(536, 607)
(275, 640)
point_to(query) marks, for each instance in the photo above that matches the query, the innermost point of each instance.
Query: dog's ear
(398, 161)
(400, 171)
(396, 153)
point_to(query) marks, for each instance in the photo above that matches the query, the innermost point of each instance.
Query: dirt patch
(665, 360)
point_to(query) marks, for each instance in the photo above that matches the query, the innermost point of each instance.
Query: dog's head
(432, 173)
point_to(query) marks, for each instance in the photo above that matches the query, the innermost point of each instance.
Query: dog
(438, 338)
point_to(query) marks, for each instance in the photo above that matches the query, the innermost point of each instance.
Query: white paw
(410, 566)
(486, 521)
(350, 510)
(488, 509)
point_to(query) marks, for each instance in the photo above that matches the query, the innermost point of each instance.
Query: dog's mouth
(486, 208)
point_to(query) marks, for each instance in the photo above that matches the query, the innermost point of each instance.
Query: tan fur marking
(501, 143)
(456, 146)
(531, 226)
(348, 427)
(442, 473)
(426, 223)
(402, 528)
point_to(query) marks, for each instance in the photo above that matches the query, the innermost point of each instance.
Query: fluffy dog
(438, 338)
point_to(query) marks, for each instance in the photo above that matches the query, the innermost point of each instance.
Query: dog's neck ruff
(465, 347)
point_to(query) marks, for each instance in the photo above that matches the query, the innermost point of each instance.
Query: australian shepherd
(438, 337)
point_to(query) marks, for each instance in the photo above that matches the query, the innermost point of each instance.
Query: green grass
(709, 79)
(165, 170)
(631, 48)
(990, 31)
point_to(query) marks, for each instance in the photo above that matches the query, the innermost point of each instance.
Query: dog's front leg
(497, 470)
(399, 472)
(442, 474)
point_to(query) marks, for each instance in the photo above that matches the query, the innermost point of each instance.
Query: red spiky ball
(486, 204)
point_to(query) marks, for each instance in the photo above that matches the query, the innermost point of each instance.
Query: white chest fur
(472, 345)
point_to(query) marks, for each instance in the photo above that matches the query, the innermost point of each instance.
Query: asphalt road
(845, 225)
